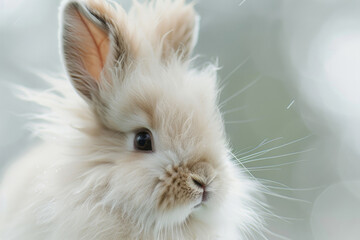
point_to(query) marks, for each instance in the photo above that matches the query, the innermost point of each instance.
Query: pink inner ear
(95, 47)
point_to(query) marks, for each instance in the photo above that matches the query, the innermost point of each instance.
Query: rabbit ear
(91, 43)
(177, 27)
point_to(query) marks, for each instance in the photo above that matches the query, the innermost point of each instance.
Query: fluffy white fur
(86, 181)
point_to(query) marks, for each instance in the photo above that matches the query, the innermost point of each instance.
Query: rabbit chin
(196, 212)
(179, 214)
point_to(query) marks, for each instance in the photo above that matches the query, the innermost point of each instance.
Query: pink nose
(202, 185)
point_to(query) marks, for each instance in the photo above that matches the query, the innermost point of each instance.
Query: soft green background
(306, 54)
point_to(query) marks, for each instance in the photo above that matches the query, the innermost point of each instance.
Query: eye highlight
(143, 140)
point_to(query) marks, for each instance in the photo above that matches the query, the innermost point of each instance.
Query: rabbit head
(155, 148)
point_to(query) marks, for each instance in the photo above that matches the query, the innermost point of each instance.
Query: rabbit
(134, 145)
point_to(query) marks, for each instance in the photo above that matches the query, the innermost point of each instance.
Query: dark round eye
(143, 141)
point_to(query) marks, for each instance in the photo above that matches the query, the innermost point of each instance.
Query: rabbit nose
(202, 185)
(202, 174)
(199, 183)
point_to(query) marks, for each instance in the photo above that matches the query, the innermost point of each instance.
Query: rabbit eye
(143, 141)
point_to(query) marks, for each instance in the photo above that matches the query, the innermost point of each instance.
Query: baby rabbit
(140, 151)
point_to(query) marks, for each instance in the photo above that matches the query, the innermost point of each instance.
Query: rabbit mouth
(206, 195)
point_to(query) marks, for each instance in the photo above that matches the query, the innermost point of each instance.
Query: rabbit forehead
(178, 105)
(167, 92)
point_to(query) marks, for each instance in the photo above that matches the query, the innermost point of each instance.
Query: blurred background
(291, 76)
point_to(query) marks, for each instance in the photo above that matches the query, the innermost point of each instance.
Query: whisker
(277, 165)
(271, 216)
(245, 169)
(276, 235)
(271, 181)
(234, 110)
(285, 197)
(266, 190)
(273, 167)
(271, 149)
(268, 213)
(263, 143)
(233, 71)
(264, 170)
(239, 92)
(287, 188)
(241, 121)
(297, 189)
(278, 156)
(242, 2)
